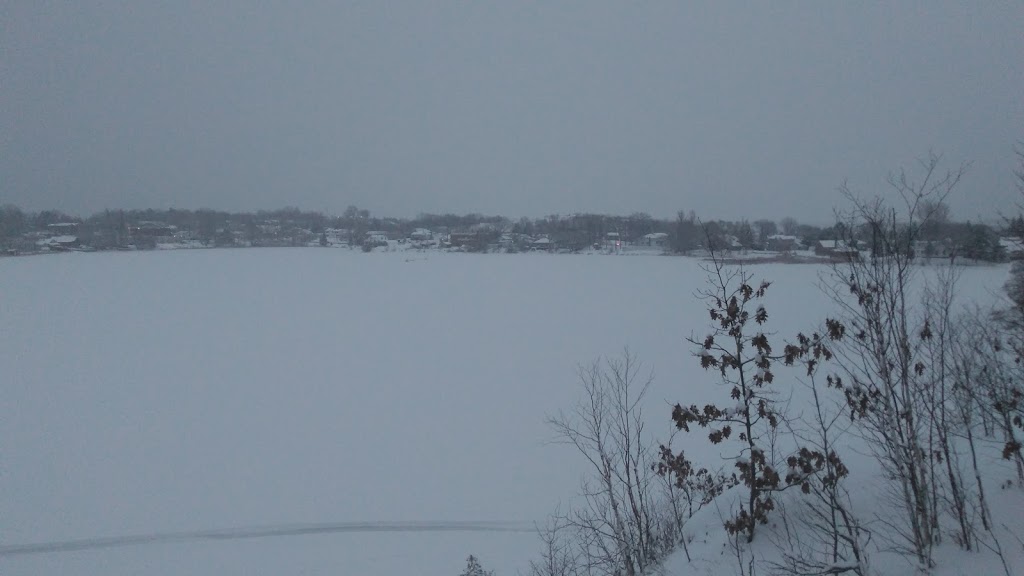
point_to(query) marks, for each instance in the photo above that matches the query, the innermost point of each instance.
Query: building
(468, 239)
(58, 243)
(835, 249)
(542, 243)
(152, 229)
(377, 238)
(612, 241)
(1013, 248)
(658, 239)
(782, 243)
(421, 235)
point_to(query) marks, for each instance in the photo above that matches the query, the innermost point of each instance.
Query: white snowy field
(164, 394)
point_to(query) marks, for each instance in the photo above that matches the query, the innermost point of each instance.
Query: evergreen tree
(745, 235)
(981, 243)
(473, 568)
(1015, 227)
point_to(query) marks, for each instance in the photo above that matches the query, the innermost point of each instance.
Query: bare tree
(939, 396)
(559, 555)
(993, 372)
(765, 228)
(789, 226)
(976, 358)
(998, 348)
(616, 523)
(882, 354)
(745, 234)
(934, 219)
(827, 537)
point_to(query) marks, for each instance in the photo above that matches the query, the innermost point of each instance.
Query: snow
(712, 553)
(66, 239)
(183, 392)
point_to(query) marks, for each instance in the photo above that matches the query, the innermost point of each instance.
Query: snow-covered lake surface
(168, 395)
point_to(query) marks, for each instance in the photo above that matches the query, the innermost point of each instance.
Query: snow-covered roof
(834, 244)
(58, 240)
(783, 237)
(656, 235)
(1012, 244)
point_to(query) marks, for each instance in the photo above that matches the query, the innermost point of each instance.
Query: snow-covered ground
(182, 396)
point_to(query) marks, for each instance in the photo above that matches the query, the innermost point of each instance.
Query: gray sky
(516, 108)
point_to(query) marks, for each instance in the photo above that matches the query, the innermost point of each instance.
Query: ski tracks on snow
(271, 531)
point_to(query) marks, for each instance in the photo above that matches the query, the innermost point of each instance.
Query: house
(468, 239)
(612, 240)
(337, 236)
(658, 239)
(542, 243)
(421, 235)
(1013, 248)
(731, 242)
(152, 229)
(782, 243)
(58, 243)
(377, 238)
(835, 249)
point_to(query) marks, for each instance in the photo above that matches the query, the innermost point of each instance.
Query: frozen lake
(192, 391)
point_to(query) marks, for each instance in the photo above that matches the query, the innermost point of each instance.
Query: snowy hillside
(188, 397)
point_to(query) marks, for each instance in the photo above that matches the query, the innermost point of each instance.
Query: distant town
(937, 235)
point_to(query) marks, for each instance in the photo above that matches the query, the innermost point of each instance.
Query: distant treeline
(117, 229)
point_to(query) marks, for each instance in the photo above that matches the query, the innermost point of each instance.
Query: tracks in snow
(271, 531)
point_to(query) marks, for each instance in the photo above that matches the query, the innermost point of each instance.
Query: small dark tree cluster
(473, 568)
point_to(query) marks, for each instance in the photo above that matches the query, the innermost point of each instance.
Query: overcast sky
(517, 108)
